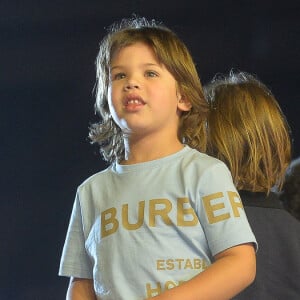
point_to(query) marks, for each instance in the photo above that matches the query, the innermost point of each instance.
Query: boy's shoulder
(204, 160)
(95, 178)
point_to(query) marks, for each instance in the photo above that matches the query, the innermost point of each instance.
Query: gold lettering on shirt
(154, 211)
(183, 211)
(235, 204)
(212, 208)
(170, 284)
(152, 291)
(125, 217)
(108, 217)
(181, 264)
(179, 213)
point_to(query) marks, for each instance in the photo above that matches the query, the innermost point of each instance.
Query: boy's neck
(145, 149)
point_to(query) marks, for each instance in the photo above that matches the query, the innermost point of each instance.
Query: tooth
(134, 101)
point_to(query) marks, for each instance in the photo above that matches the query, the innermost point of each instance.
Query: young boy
(163, 221)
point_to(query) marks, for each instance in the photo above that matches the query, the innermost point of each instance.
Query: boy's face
(142, 95)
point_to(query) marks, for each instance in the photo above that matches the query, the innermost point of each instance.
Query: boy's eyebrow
(143, 65)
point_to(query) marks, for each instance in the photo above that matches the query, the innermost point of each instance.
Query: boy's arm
(81, 289)
(233, 270)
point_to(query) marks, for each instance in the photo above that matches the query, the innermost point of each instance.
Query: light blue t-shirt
(140, 229)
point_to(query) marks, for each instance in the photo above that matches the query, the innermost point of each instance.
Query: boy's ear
(183, 103)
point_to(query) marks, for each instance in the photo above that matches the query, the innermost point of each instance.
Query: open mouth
(133, 101)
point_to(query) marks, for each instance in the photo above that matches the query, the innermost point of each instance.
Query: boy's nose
(131, 84)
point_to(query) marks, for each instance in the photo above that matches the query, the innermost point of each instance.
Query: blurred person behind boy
(249, 132)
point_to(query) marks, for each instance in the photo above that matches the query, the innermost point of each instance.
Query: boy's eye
(151, 74)
(118, 76)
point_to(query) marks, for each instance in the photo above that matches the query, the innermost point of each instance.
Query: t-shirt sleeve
(221, 211)
(75, 261)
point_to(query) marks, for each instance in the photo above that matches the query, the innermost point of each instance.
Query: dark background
(47, 75)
